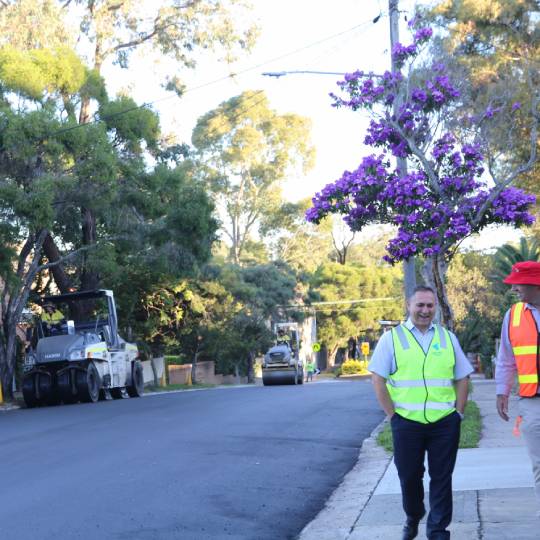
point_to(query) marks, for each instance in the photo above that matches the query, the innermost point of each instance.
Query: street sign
(365, 348)
(316, 347)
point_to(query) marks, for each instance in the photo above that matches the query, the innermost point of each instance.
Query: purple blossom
(433, 212)
(422, 35)
(401, 52)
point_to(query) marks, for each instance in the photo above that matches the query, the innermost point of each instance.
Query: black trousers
(411, 442)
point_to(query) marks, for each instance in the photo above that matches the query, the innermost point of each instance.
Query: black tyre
(44, 387)
(136, 388)
(67, 388)
(29, 391)
(88, 384)
(301, 377)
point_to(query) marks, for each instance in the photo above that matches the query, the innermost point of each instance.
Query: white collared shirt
(383, 361)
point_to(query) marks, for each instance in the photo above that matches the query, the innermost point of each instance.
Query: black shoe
(410, 530)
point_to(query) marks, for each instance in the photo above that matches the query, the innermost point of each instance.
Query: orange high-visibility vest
(524, 338)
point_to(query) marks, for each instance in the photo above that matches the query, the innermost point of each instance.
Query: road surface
(228, 463)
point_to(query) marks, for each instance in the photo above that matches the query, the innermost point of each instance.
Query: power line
(221, 79)
(278, 74)
(339, 302)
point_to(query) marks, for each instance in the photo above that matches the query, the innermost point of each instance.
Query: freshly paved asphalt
(232, 463)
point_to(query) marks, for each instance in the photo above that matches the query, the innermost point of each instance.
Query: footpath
(493, 488)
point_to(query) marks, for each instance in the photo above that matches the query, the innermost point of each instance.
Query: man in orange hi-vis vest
(519, 353)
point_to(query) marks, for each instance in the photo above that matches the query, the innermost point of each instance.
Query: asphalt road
(231, 463)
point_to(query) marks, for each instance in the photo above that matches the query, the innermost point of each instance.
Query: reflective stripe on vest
(422, 386)
(523, 336)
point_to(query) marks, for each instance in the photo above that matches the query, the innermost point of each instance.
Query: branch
(428, 168)
(501, 185)
(25, 251)
(72, 254)
(19, 301)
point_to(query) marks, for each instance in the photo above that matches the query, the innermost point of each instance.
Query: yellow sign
(365, 348)
(316, 347)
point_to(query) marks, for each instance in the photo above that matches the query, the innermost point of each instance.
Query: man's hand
(502, 406)
(383, 397)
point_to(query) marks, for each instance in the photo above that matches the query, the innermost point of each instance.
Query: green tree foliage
(222, 315)
(478, 307)
(334, 282)
(34, 24)
(33, 171)
(246, 149)
(114, 30)
(53, 171)
(294, 241)
(508, 255)
(495, 44)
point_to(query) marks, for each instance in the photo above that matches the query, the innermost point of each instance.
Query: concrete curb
(5, 407)
(337, 519)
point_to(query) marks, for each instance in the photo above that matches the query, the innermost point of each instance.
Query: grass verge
(471, 428)
(171, 387)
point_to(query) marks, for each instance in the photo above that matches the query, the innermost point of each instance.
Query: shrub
(175, 359)
(354, 367)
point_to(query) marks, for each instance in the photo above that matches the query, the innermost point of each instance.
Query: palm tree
(508, 255)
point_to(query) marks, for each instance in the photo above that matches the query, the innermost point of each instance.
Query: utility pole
(409, 271)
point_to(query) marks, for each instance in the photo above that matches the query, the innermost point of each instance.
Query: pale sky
(297, 33)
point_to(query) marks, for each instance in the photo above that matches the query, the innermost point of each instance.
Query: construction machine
(76, 359)
(282, 363)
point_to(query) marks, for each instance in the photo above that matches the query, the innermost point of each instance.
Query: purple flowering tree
(447, 194)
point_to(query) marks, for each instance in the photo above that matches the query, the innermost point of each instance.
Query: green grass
(171, 387)
(471, 428)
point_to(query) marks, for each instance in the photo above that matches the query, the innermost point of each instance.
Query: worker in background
(420, 377)
(310, 370)
(518, 352)
(283, 338)
(51, 318)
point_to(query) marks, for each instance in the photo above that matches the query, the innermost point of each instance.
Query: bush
(175, 359)
(354, 367)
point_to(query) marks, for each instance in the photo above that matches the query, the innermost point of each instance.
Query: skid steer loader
(72, 359)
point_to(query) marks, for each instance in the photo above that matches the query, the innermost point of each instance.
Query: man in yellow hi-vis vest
(51, 318)
(420, 377)
(519, 352)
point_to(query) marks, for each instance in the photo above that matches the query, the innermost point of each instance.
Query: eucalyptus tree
(495, 45)
(295, 241)
(246, 149)
(51, 168)
(111, 31)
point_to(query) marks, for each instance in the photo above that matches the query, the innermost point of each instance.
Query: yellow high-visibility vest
(422, 387)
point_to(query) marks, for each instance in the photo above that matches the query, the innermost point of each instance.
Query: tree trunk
(250, 375)
(409, 272)
(194, 364)
(13, 301)
(154, 372)
(89, 278)
(332, 356)
(8, 349)
(62, 280)
(434, 273)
